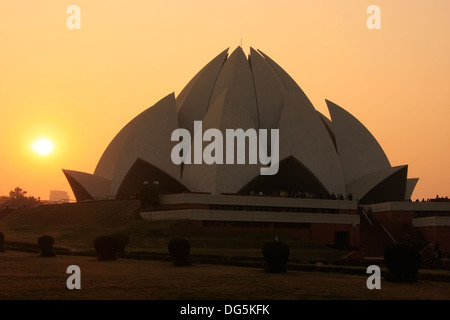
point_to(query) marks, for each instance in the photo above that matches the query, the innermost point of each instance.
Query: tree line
(18, 198)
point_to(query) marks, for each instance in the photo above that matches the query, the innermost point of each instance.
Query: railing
(62, 201)
(378, 224)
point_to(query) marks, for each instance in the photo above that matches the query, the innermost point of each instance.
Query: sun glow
(43, 146)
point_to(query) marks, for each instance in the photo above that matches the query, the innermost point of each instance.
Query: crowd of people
(437, 199)
(431, 252)
(332, 196)
(305, 195)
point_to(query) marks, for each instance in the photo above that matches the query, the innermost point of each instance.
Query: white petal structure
(304, 136)
(410, 185)
(194, 99)
(233, 106)
(146, 137)
(384, 184)
(270, 91)
(359, 152)
(88, 186)
(317, 155)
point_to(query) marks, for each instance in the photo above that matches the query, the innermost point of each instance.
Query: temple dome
(317, 155)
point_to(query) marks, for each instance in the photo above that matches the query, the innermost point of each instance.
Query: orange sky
(80, 87)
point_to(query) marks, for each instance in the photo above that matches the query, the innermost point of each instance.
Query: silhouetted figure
(149, 194)
(437, 251)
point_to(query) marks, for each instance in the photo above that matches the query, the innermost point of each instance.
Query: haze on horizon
(80, 87)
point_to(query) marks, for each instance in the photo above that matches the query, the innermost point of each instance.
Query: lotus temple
(334, 182)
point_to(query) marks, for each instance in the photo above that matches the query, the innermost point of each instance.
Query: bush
(45, 244)
(180, 249)
(106, 247)
(2, 241)
(403, 263)
(276, 254)
(122, 240)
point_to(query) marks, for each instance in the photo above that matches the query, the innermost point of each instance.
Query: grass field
(26, 276)
(75, 226)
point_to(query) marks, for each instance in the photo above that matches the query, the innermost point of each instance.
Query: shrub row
(179, 250)
(402, 261)
(2, 241)
(276, 254)
(107, 246)
(45, 244)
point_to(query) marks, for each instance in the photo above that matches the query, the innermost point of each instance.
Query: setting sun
(43, 146)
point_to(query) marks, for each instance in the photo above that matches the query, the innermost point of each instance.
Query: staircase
(373, 236)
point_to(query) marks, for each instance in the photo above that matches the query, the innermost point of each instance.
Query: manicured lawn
(27, 276)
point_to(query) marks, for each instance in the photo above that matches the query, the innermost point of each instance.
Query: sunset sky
(78, 88)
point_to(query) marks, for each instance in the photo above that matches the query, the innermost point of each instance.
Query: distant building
(59, 196)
